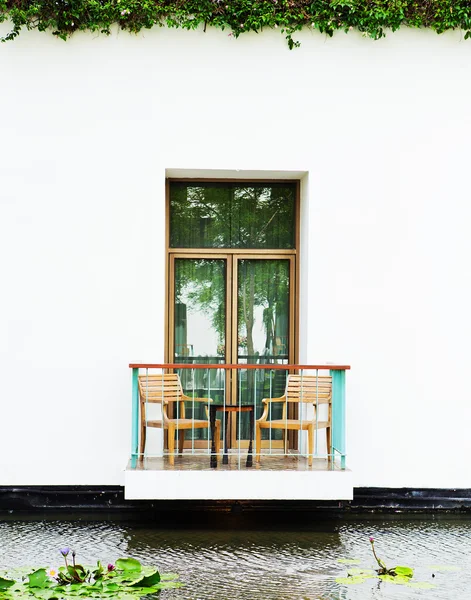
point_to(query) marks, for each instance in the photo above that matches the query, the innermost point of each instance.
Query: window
(232, 277)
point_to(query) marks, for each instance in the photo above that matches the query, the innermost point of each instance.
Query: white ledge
(238, 485)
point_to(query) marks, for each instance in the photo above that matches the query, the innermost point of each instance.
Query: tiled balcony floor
(200, 462)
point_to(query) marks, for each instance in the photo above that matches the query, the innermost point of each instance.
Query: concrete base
(238, 485)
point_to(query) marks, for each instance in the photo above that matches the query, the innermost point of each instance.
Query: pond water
(286, 562)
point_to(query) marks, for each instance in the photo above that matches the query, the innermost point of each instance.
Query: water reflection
(260, 564)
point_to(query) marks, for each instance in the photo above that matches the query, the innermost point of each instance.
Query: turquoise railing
(337, 372)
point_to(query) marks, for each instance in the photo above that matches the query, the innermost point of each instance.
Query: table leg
(225, 456)
(249, 454)
(212, 423)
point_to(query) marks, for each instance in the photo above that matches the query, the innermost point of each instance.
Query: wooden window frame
(213, 252)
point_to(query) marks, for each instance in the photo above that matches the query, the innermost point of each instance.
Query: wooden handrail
(237, 366)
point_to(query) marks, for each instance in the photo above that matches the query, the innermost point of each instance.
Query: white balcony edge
(238, 485)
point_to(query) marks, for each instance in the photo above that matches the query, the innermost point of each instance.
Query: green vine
(371, 17)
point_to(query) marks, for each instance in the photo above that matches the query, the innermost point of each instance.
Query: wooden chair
(307, 389)
(164, 390)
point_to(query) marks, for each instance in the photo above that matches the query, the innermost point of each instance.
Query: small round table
(229, 408)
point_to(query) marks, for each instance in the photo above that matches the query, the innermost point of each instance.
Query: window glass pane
(263, 216)
(200, 331)
(200, 216)
(263, 335)
(200, 309)
(232, 215)
(263, 305)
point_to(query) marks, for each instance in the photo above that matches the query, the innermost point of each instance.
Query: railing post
(135, 418)
(338, 415)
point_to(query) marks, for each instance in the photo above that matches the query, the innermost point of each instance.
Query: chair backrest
(309, 388)
(158, 388)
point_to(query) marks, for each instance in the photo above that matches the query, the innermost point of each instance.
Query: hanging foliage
(371, 17)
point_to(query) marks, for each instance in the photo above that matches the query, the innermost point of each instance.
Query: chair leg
(218, 437)
(181, 440)
(328, 438)
(171, 445)
(285, 441)
(310, 433)
(142, 443)
(258, 442)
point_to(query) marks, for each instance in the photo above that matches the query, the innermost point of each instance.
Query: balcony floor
(194, 462)
(276, 477)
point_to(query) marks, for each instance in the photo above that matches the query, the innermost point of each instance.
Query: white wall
(380, 132)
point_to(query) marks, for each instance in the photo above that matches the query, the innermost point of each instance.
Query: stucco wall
(379, 133)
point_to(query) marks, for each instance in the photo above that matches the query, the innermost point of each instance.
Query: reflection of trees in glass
(200, 286)
(264, 284)
(236, 215)
(232, 215)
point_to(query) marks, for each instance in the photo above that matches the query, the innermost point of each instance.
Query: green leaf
(351, 580)
(349, 561)
(112, 587)
(6, 583)
(146, 590)
(404, 571)
(165, 585)
(168, 576)
(128, 565)
(38, 579)
(362, 572)
(421, 585)
(148, 580)
(43, 593)
(401, 579)
(98, 585)
(396, 579)
(390, 578)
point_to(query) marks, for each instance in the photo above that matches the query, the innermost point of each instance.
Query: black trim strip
(34, 499)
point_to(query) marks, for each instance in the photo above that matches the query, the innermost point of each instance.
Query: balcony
(238, 432)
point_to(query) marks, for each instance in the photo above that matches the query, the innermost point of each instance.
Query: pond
(270, 562)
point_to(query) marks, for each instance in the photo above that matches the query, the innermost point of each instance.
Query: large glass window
(232, 215)
(232, 282)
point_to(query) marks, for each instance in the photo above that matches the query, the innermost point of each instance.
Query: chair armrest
(190, 399)
(266, 406)
(268, 400)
